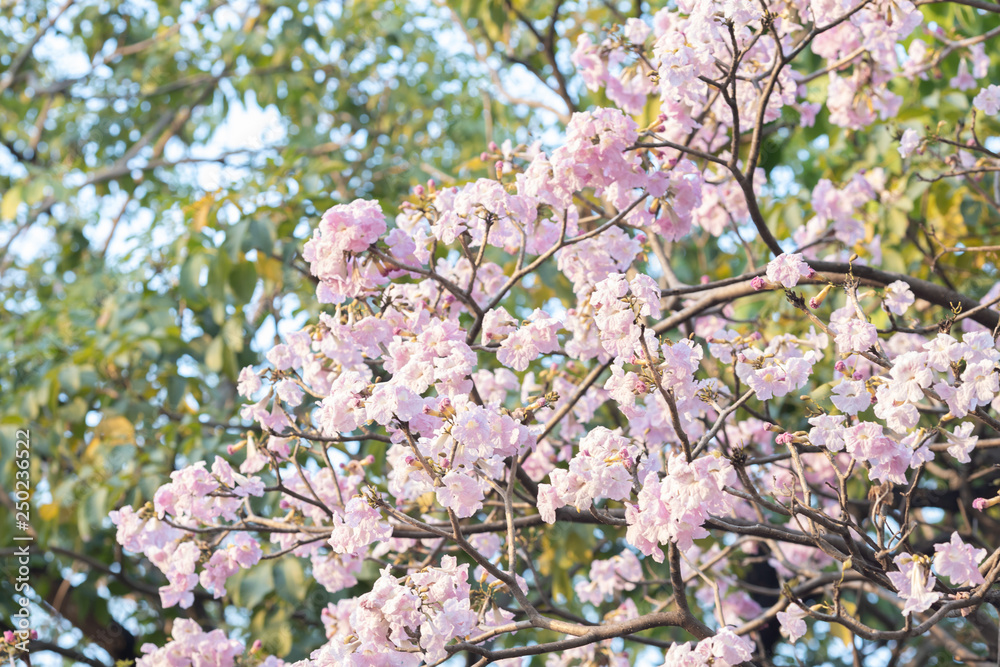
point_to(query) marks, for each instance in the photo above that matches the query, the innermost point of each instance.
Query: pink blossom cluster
(345, 231)
(676, 507)
(401, 621)
(618, 573)
(605, 467)
(725, 649)
(953, 559)
(601, 66)
(191, 646)
(786, 270)
(617, 305)
(195, 496)
(535, 336)
(782, 367)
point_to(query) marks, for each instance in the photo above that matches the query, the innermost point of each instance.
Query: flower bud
(817, 300)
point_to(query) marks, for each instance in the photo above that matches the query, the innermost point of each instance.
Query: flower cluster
(401, 621)
(725, 649)
(438, 416)
(676, 507)
(190, 646)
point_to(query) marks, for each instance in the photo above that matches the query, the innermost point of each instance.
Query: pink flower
(726, 648)
(792, 624)
(914, 583)
(982, 382)
(610, 291)
(647, 292)
(354, 226)
(851, 397)
(774, 378)
(889, 459)
(619, 334)
(548, 502)
(909, 377)
(609, 576)
(942, 351)
(988, 100)
(335, 572)
(249, 382)
(959, 561)
(787, 270)
(460, 493)
(345, 229)
(960, 401)
(808, 112)
(979, 346)
(244, 550)
(518, 350)
(290, 392)
(636, 31)
(856, 336)
(360, 526)
(980, 61)
(898, 296)
(623, 386)
(963, 80)
(390, 400)
(497, 323)
(190, 645)
(472, 429)
(961, 442)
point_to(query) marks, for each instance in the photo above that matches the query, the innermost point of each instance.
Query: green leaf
(290, 580)
(213, 355)
(262, 235)
(249, 587)
(9, 203)
(191, 278)
(243, 280)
